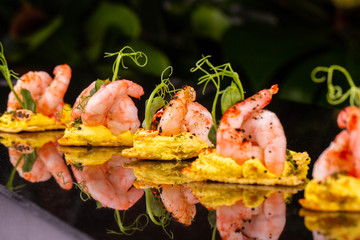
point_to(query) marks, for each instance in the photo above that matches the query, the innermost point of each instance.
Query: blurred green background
(266, 42)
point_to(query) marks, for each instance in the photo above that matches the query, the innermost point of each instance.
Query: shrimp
(54, 163)
(81, 101)
(122, 116)
(110, 183)
(343, 154)
(38, 171)
(349, 118)
(34, 82)
(182, 114)
(53, 95)
(266, 221)
(230, 219)
(264, 129)
(172, 121)
(198, 120)
(230, 138)
(97, 108)
(180, 202)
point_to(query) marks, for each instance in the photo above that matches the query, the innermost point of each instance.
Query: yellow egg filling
(211, 166)
(338, 192)
(37, 122)
(81, 135)
(150, 145)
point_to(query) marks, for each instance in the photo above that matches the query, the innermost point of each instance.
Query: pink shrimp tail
(274, 89)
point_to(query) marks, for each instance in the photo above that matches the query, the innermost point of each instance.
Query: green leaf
(156, 104)
(106, 16)
(29, 160)
(212, 135)
(230, 96)
(98, 84)
(29, 102)
(212, 218)
(208, 21)
(156, 206)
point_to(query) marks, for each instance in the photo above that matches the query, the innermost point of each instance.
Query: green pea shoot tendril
(126, 52)
(215, 75)
(157, 212)
(130, 229)
(9, 184)
(158, 96)
(335, 94)
(7, 73)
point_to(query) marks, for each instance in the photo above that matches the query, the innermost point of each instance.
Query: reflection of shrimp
(53, 95)
(110, 183)
(343, 154)
(49, 162)
(182, 114)
(180, 202)
(266, 221)
(105, 99)
(38, 171)
(47, 93)
(55, 164)
(230, 137)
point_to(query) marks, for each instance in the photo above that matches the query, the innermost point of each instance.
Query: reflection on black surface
(332, 225)
(36, 158)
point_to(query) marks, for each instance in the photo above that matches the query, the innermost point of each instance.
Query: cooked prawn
(182, 114)
(263, 128)
(53, 95)
(110, 183)
(35, 82)
(122, 116)
(55, 164)
(266, 221)
(96, 111)
(48, 94)
(343, 154)
(230, 137)
(180, 202)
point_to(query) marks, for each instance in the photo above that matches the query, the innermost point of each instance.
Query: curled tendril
(162, 91)
(126, 52)
(216, 75)
(160, 217)
(8, 74)
(335, 94)
(81, 186)
(130, 229)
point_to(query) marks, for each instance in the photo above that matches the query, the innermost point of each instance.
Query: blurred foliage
(266, 42)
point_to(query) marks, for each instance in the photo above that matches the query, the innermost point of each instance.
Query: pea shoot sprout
(130, 229)
(229, 96)
(135, 56)
(335, 94)
(27, 102)
(157, 212)
(158, 96)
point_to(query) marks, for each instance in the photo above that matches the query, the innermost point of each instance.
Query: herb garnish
(9, 184)
(335, 93)
(157, 212)
(130, 229)
(135, 56)
(157, 97)
(229, 96)
(28, 102)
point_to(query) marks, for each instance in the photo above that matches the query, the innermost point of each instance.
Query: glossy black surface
(308, 128)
